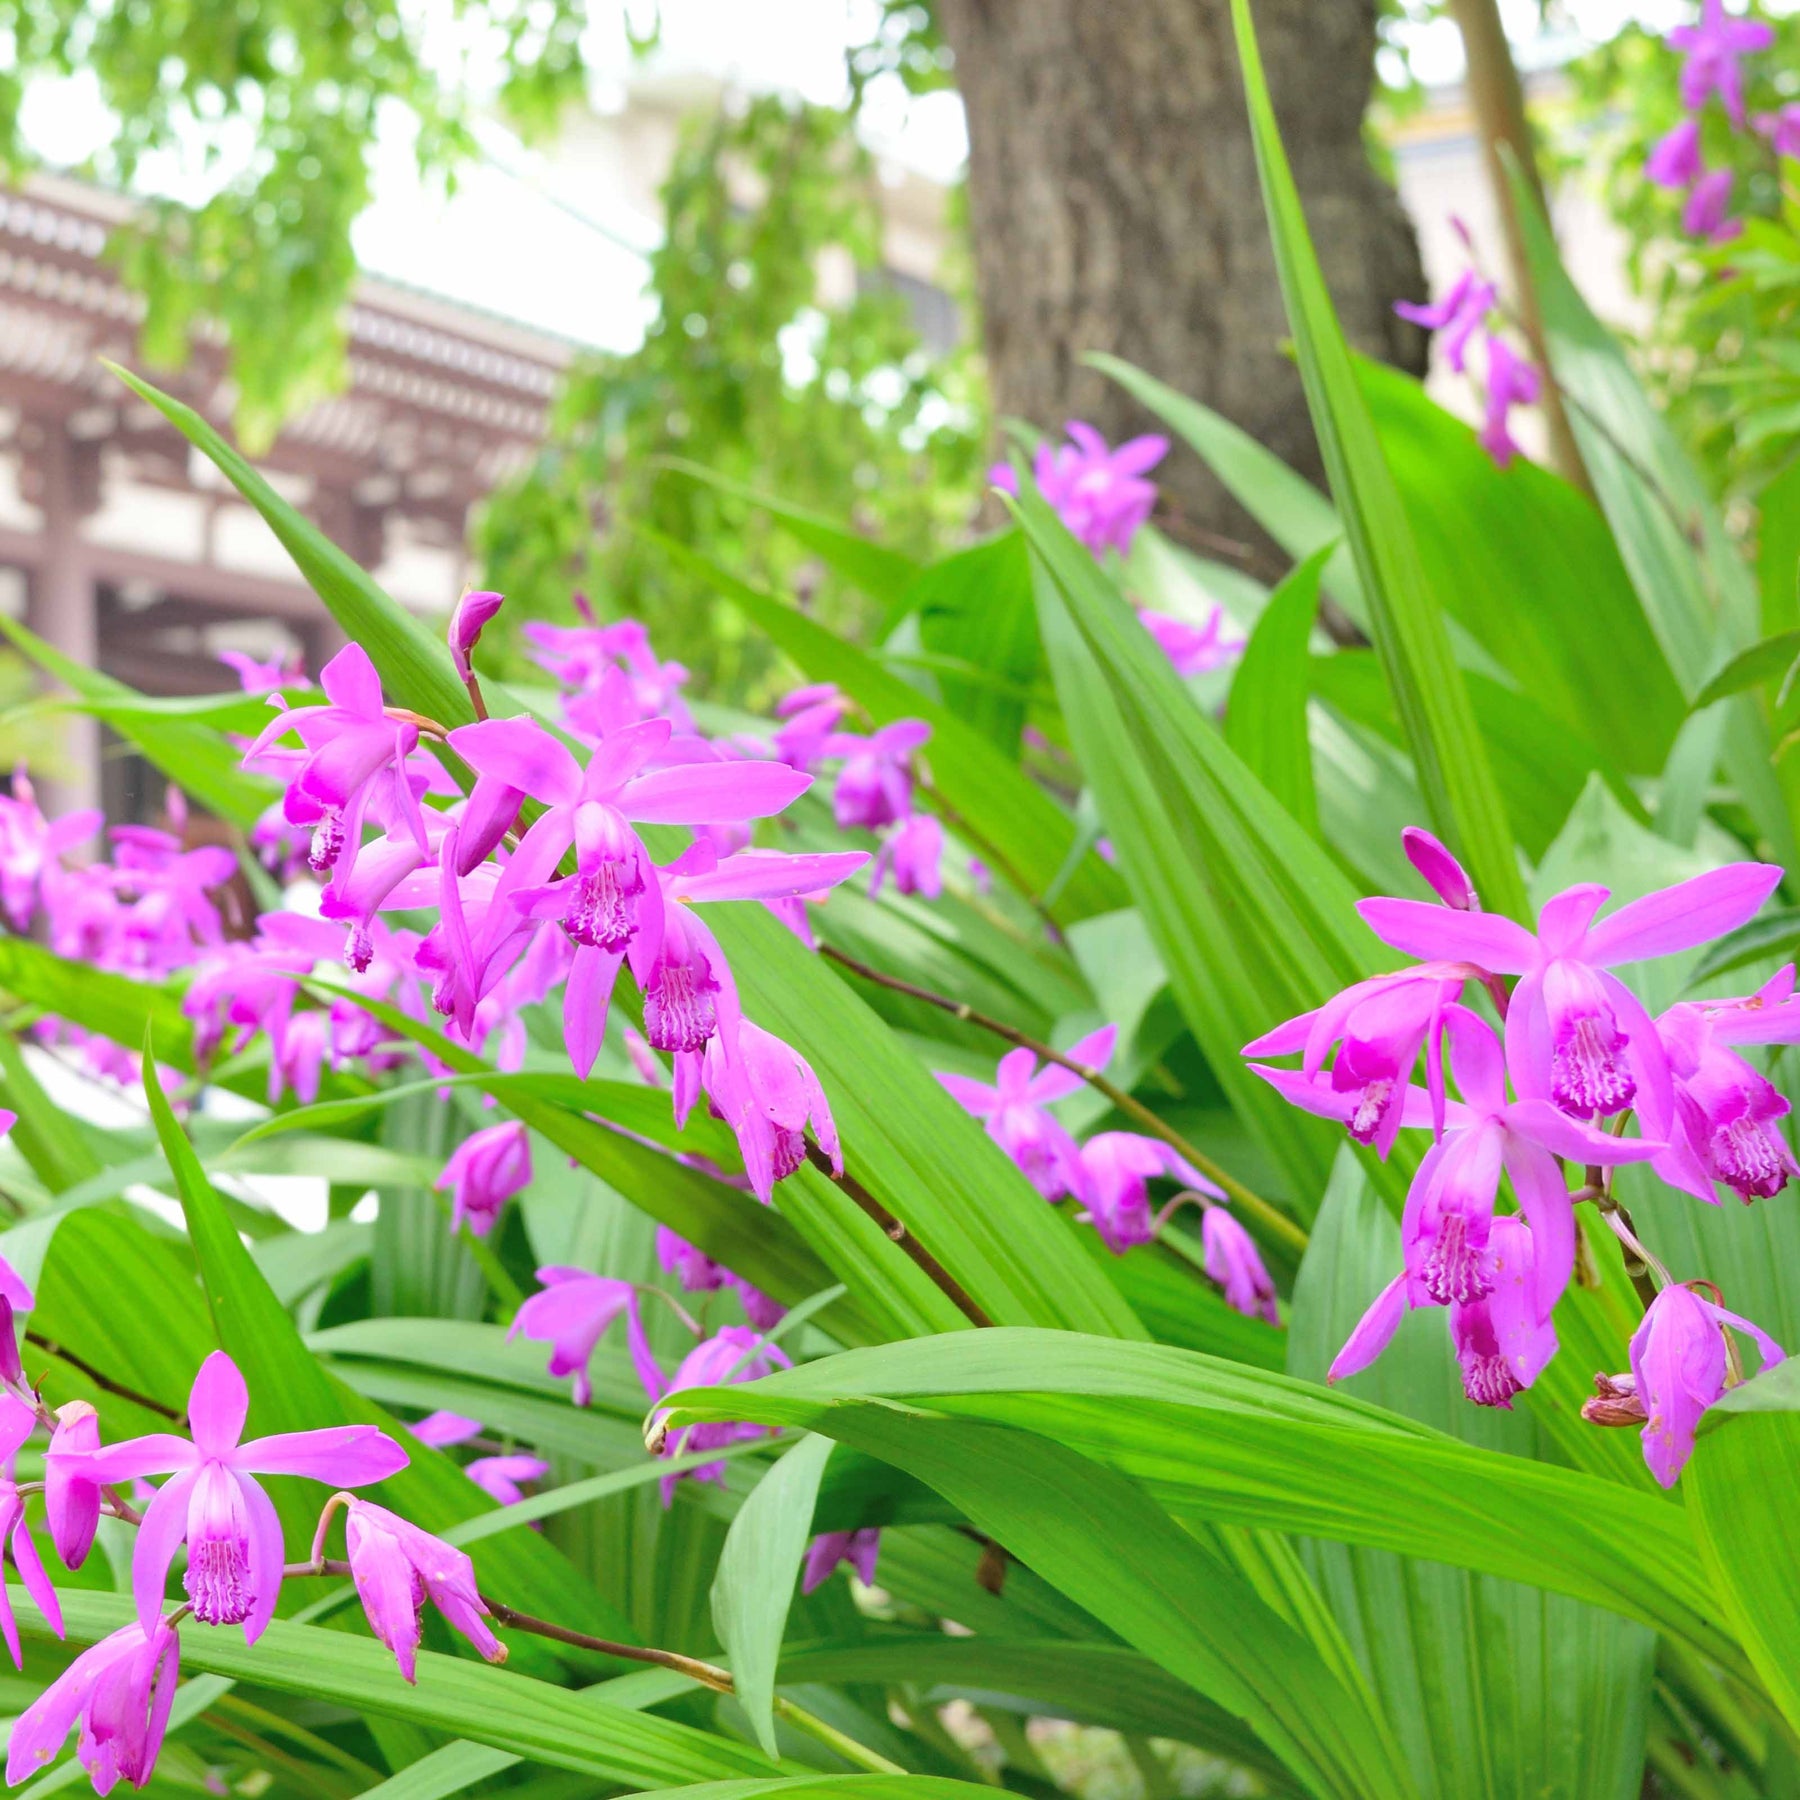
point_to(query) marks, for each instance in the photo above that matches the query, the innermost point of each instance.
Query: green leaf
(471, 1700)
(1740, 1484)
(1696, 591)
(883, 573)
(59, 1157)
(1015, 819)
(200, 762)
(1222, 1442)
(753, 1585)
(1405, 619)
(1265, 720)
(1766, 659)
(414, 665)
(1252, 918)
(1495, 1687)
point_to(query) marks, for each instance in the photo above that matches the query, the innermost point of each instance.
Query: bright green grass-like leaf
(832, 1787)
(414, 665)
(1740, 1484)
(290, 1391)
(1265, 721)
(1023, 831)
(59, 1157)
(1768, 659)
(1227, 1443)
(471, 1700)
(1405, 618)
(1250, 915)
(754, 1582)
(1697, 595)
(1495, 1688)
(199, 761)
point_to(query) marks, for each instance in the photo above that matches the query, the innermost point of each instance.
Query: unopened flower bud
(472, 612)
(12, 1371)
(1443, 874)
(71, 1495)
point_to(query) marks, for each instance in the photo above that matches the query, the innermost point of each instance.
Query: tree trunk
(1115, 206)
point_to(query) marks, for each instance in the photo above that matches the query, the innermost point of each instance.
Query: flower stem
(1271, 1218)
(104, 1382)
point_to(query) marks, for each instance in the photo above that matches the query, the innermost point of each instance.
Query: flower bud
(71, 1495)
(472, 612)
(1615, 1402)
(12, 1370)
(1443, 874)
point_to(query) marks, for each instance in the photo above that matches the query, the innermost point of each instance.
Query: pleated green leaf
(1405, 618)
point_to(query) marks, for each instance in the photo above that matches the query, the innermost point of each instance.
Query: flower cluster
(1105, 498)
(1576, 1056)
(1712, 51)
(1109, 1175)
(1470, 308)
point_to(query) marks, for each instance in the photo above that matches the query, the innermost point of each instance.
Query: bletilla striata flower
(1456, 317)
(119, 1692)
(71, 1496)
(1119, 1167)
(470, 617)
(1511, 381)
(875, 785)
(1014, 1108)
(1675, 160)
(484, 1171)
(17, 1422)
(1234, 1262)
(440, 1430)
(859, 1549)
(571, 1314)
(500, 1477)
(1099, 493)
(735, 1353)
(397, 1567)
(1714, 48)
(214, 1503)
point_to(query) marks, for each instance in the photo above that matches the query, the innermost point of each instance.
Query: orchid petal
(267, 1554)
(1680, 917)
(1435, 933)
(972, 1096)
(710, 793)
(350, 681)
(340, 1455)
(157, 1453)
(37, 1582)
(521, 754)
(1566, 916)
(1544, 1200)
(773, 875)
(587, 994)
(1373, 1333)
(218, 1404)
(164, 1526)
(1579, 1141)
(1476, 1060)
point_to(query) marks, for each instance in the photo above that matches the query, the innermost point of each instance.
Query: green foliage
(774, 384)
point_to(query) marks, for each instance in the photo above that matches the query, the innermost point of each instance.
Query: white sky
(518, 239)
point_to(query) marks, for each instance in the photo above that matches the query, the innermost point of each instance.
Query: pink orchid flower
(1714, 47)
(1099, 493)
(1234, 1262)
(572, 1314)
(1193, 649)
(830, 1548)
(500, 1477)
(875, 785)
(1456, 317)
(396, 1568)
(734, 1353)
(442, 1429)
(484, 1171)
(1014, 1108)
(17, 1422)
(1118, 1167)
(1674, 160)
(1574, 1031)
(214, 1503)
(1511, 381)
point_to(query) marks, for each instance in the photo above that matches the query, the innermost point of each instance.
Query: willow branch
(1271, 1218)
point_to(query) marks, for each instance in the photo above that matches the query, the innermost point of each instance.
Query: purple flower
(1442, 873)
(1503, 1341)
(32, 848)
(768, 1094)
(1457, 316)
(396, 1568)
(471, 614)
(500, 1476)
(1575, 1032)
(1511, 382)
(1727, 1116)
(1712, 48)
(1118, 1167)
(913, 853)
(17, 1422)
(699, 1274)
(214, 1504)
(1099, 493)
(1017, 1121)
(1782, 129)
(120, 1691)
(1192, 649)
(1674, 160)
(809, 717)
(572, 1314)
(1679, 1366)
(735, 1353)
(442, 1429)
(71, 1496)
(1380, 1026)
(875, 785)
(857, 1548)
(1233, 1262)
(258, 677)
(484, 1171)
(1706, 214)
(356, 760)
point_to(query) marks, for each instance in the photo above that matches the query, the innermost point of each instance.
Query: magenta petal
(37, 1582)
(266, 1556)
(217, 1406)
(341, 1455)
(1544, 1200)
(1476, 1060)
(972, 1096)
(711, 793)
(522, 754)
(1680, 917)
(586, 997)
(163, 1528)
(1435, 933)
(350, 681)
(1579, 1141)
(1374, 1331)
(1566, 916)
(773, 875)
(158, 1453)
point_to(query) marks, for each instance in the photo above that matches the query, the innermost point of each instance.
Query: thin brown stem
(102, 1381)
(1275, 1222)
(897, 1232)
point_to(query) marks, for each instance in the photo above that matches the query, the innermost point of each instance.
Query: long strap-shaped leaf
(1405, 619)
(1230, 1443)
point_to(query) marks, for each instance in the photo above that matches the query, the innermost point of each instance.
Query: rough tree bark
(1113, 193)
